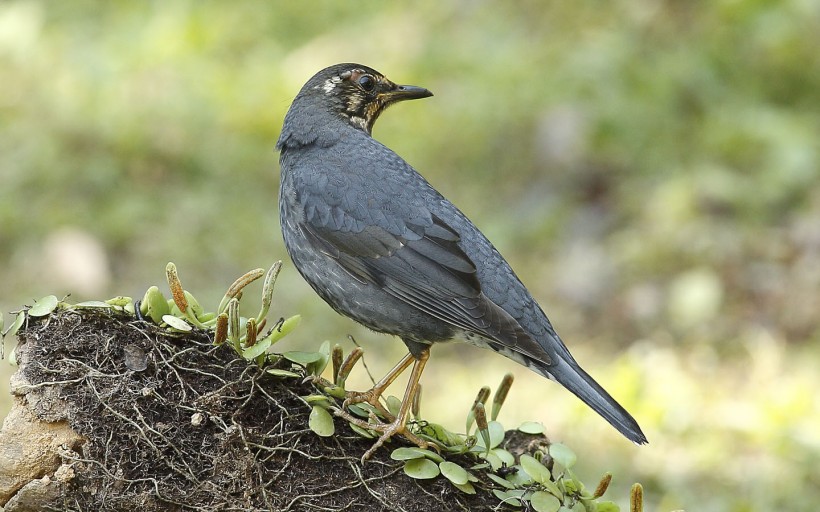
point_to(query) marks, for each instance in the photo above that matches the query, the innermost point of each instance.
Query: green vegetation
(650, 169)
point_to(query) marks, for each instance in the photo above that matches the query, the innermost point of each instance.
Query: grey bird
(380, 245)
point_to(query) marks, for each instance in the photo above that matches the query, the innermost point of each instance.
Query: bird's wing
(424, 267)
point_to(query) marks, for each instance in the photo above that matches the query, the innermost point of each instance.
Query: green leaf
(562, 455)
(493, 459)
(321, 422)
(177, 323)
(367, 434)
(317, 400)
(278, 372)
(285, 329)
(465, 488)
(393, 405)
(500, 481)
(44, 306)
(303, 358)
(207, 317)
(15, 326)
(576, 483)
(257, 350)
(406, 453)
(504, 456)
(13, 356)
(439, 433)
(552, 487)
(535, 469)
(453, 472)
(358, 410)
(544, 502)
(412, 452)
(531, 427)
(154, 305)
(520, 478)
(193, 304)
(318, 366)
(507, 497)
(480, 466)
(421, 469)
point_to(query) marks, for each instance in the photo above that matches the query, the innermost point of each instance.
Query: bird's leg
(398, 425)
(373, 395)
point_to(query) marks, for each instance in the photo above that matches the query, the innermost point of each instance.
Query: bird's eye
(367, 82)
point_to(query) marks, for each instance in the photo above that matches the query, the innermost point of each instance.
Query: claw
(370, 397)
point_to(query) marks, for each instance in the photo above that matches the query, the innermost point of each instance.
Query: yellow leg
(374, 394)
(397, 426)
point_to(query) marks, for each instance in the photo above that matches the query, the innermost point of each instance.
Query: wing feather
(426, 268)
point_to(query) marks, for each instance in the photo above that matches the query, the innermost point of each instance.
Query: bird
(381, 246)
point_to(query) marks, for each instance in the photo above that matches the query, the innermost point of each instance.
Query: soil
(170, 422)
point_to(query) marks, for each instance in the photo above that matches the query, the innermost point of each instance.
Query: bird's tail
(575, 379)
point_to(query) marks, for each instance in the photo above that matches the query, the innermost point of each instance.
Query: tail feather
(582, 385)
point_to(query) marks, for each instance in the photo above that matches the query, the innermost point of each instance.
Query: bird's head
(357, 93)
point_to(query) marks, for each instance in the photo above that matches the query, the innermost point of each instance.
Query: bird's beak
(406, 92)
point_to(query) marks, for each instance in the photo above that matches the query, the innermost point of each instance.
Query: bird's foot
(387, 430)
(372, 397)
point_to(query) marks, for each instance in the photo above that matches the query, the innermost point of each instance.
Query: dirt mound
(170, 422)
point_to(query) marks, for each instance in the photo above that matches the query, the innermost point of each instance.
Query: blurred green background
(650, 168)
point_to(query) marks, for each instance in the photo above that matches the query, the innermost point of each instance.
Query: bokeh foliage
(649, 168)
